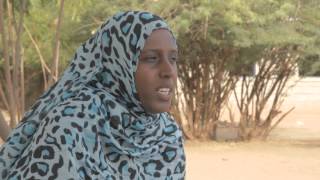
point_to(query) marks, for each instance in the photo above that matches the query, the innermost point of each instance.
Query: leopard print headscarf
(91, 124)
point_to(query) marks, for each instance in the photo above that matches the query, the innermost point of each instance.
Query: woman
(106, 116)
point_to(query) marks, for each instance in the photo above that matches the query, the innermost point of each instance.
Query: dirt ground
(276, 160)
(291, 153)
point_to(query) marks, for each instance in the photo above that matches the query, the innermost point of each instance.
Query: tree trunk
(7, 67)
(4, 128)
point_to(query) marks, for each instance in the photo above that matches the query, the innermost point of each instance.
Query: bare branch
(43, 63)
(55, 60)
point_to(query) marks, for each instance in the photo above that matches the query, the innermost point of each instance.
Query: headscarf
(91, 124)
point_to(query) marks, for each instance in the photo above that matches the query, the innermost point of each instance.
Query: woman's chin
(160, 108)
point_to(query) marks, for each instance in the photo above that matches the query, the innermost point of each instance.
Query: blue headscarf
(91, 124)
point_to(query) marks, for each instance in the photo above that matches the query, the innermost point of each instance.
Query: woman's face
(156, 74)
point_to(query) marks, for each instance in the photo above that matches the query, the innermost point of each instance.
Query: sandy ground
(276, 160)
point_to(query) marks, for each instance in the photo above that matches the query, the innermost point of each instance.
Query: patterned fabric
(91, 124)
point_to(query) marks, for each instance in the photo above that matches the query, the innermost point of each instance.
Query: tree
(13, 92)
(11, 31)
(259, 97)
(243, 31)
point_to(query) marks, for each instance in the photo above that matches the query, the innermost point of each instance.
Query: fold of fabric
(91, 124)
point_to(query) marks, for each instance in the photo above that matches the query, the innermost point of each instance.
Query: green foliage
(253, 24)
(248, 25)
(236, 23)
(310, 66)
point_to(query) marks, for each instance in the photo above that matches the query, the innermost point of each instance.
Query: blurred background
(249, 76)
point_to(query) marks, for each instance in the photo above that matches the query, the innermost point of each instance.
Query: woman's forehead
(160, 38)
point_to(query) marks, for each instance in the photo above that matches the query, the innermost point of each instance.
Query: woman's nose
(167, 68)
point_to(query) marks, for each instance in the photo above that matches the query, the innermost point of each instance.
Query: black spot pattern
(90, 124)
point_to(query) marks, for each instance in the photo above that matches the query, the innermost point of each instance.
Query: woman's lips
(164, 93)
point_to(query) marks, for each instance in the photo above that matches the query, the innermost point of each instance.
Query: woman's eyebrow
(158, 50)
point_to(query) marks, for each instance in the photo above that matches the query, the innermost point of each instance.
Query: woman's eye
(151, 59)
(174, 58)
